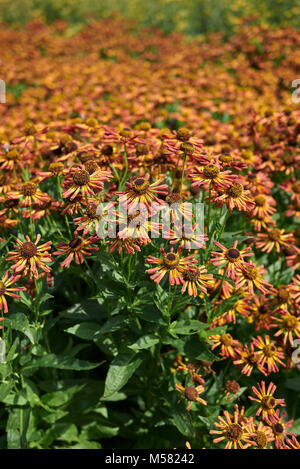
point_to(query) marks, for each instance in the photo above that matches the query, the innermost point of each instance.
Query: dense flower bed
(130, 340)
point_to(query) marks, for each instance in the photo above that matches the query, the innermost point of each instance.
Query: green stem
(126, 167)
(31, 229)
(115, 172)
(59, 188)
(224, 223)
(68, 226)
(182, 174)
(209, 208)
(222, 281)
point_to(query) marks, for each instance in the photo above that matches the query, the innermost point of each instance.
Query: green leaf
(113, 324)
(60, 431)
(61, 397)
(84, 330)
(5, 389)
(293, 383)
(16, 428)
(186, 327)
(19, 322)
(197, 349)
(182, 420)
(144, 342)
(296, 427)
(61, 362)
(12, 352)
(120, 371)
(85, 444)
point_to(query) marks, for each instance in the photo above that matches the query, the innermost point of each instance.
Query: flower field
(149, 237)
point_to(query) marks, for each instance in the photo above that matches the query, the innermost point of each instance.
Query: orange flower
(229, 346)
(29, 257)
(250, 276)
(273, 238)
(140, 192)
(266, 399)
(235, 196)
(171, 263)
(81, 182)
(233, 429)
(268, 353)
(247, 360)
(232, 258)
(191, 393)
(78, 248)
(194, 278)
(29, 193)
(211, 175)
(289, 327)
(7, 290)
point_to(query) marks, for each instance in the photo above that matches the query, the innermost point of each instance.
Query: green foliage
(189, 16)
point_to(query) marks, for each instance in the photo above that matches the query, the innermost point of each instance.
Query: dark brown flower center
(288, 159)
(126, 133)
(29, 189)
(251, 359)
(191, 393)
(262, 309)
(29, 128)
(173, 198)
(261, 439)
(268, 402)
(234, 432)
(187, 147)
(211, 171)
(269, 350)
(274, 235)
(12, 155)
(140, 185)
(291, 323)
(191, 275)
(278, 428)
(236, 190)
(75, 243)
(141, 149)
(251, 273)
(81, 177)
(233, 254)
(296, 187)
(232, 386)
(183, 134)
(171, 260)
(107, 150)
(283, 294)
(225, 158)
(91, 210)
(28, 250)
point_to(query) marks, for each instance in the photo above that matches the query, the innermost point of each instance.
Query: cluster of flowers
(268, 430)
(57, 165)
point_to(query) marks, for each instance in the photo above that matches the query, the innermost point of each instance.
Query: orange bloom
(29, 257)
(78, 248)
(7, 290)
(266, 399)
(171, 263)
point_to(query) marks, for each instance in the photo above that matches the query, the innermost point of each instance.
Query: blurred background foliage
(188, 16)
